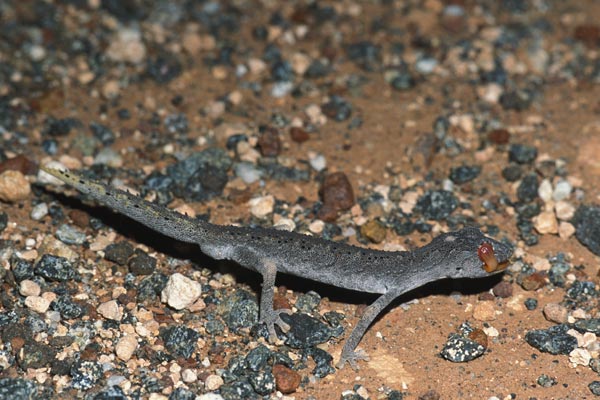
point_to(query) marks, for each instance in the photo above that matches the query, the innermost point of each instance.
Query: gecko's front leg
(268, 315)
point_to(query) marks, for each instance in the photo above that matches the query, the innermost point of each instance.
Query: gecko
(466, 253)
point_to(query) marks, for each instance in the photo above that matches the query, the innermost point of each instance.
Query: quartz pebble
(110, 310)
(125, 347)
(545, 223)
(181, 291)
(37, 303)
(29, 288)
(260, 207)
(39, 211)
(556, 313)
(13, 186)
(213, 382)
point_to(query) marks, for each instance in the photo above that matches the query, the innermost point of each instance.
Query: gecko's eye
(486, 254)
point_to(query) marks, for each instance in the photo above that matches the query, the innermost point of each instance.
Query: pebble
(29, 288)
(69, 234)
(269, 142)
(3, 221)
(546, 223)
(564, 210)
(39, 211)
(37, 304)
(528, 188)
(503, 290)
(14, 186)
(19, 163)
(318, 162)
(464, 173)
(460, 348)
(141, 263)
(594, 387)
(179, 340)
(437, 204)
(337, 195)
(260, 207)
(565, 230)
(125, 347)
(189, 375)
(337, 108)
(587, 227)
(545, 190)
(213, 382)
(248, 172)
(118, 253)
(554, 340)
(512, 173)
(580, 357)
(298, 134)
(239, 310)
(181, 291)
(286, 379)
(484, 311)
(127, 45)
(54, 268)
(556, 313)
(522, 154)
(110, 310)
(374, 231)
(562, 190)
(307, 331)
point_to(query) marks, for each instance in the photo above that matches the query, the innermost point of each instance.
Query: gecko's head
(473, 255)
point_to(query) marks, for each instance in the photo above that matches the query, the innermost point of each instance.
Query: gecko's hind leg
(269, 316)
(349, 354)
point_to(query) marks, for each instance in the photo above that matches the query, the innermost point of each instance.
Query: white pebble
(562, 190)
(210, 396)
(318, 162)
(126, 347)
(545, 190)
(29, 288)
(181, 291)
(545, 223)
(580, 357)
(316, 226)
(39, 211)
(564, 210)
(260, 207)
(285, 224)
(110, 310)
(248, 172)
(189, 375)
(37, 303)
(213, 382)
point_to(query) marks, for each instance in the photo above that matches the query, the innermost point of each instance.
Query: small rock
(269, 142)
(499, 136)
(13, 186)
(594, 387)
(127, 46)
(503, 290)
(110, 310)
(68, 234)
(564, 210)
(546, 223)
(299, 135)
(39, 211)
(118, 253)
(545, 190)
(554, 340)
(141, 263)
(181, 291)
(562, 190)
(464, 173)
(556, 313)
(534, 281)
(374, 231)
(260, 207)
(512, 173)
(125, 347)
(179, 340)
(587, 227)
(580, 357)
(484, 311)
(337, 195)
(19, 163)
(37, 304)
(522, 154)
(248, 172)
(213, 382)
(287, 380)
(565, 230)
(29, 288)
(318, 162)
(460, 348)
(528, 188)
(54, 268)
(337, 108)
(437, 204)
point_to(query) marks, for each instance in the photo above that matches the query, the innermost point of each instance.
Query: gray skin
(268, 251)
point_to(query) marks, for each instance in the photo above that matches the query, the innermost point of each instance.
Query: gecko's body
(461, 254)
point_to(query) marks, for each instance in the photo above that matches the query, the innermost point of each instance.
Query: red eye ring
(488, 257)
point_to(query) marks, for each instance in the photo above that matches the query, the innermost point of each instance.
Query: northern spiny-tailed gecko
(466, 253)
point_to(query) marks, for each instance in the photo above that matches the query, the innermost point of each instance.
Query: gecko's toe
(272, 319)
(352, 358)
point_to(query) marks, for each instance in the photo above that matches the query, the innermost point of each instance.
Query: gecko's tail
(169, 223)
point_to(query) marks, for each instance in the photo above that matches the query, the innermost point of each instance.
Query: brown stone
(286, 379)
(337, 194)
(269, 142)
(298, 135)
(80, 218)
(374, 231)
(499, 136)
(534, 281)
(503, 289)
(479, 336)
(19, 163)
(589, 34)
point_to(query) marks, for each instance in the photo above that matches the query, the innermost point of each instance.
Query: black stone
(179, 340)
(521, 153)
(55, 268)
(67, 308)
(587, 227)
(464, 173)
(527, 190)
(141, 263)
(553, 340)
(306, 331)
(436, 204)
(118, 253)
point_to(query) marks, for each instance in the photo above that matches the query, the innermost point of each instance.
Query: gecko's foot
(272, 318)
(351, 358)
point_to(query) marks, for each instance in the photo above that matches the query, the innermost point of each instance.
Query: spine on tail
(161, 219)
